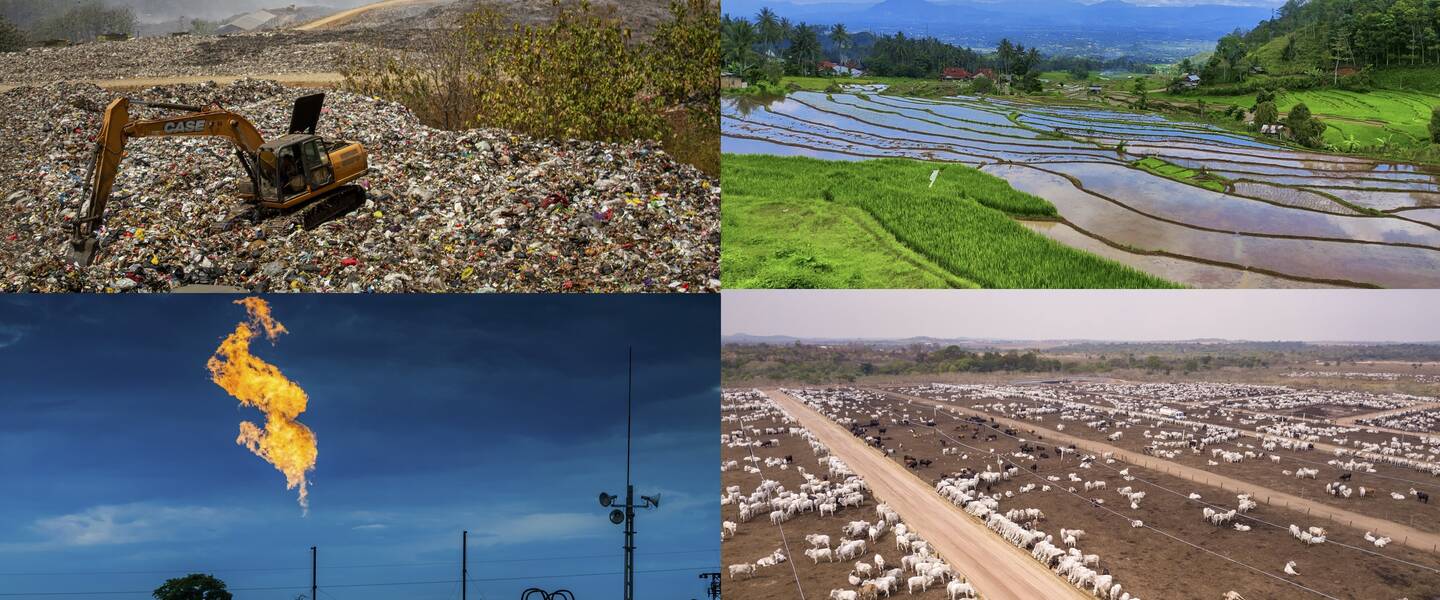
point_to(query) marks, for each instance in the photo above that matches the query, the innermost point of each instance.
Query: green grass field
(796, 222)
(1401, 115)
(1179, 173)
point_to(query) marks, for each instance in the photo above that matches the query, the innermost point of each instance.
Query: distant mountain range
(1018, 18)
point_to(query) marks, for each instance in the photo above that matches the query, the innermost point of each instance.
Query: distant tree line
(39, 20)
(816, 364)
(769, 46)
(742, 364)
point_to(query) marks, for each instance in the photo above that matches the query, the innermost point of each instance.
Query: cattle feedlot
(1079, 489)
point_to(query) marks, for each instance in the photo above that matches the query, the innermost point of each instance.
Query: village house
(962, 74)
(831, 68)
(955, 74)
(731, 81)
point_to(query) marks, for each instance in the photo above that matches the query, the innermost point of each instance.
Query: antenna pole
(313, 554)
(629, 404)
(627, 515)
(629, 489)
(464, 562)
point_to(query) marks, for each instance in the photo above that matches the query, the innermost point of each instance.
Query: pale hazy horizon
(1109, 315)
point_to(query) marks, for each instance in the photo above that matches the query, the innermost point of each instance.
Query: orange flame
(284, 442)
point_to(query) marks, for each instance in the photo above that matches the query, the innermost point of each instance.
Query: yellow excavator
(299, 171)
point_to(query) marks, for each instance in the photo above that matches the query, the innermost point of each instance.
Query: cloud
(10, 335)
(539, 527)
(369, 527)
(129, 524)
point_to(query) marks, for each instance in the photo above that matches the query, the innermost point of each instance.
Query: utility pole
(464, 562)
(629, 489)
(713, 589)
(313, 553)
(627, 516)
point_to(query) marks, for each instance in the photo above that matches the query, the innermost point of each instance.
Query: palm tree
(841, 39)
(770, 32)
(1350, 143)
(738, 47)
(803, 55)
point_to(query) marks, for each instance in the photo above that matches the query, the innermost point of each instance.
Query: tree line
(1326, 35)
(27, 21)
(768, 46)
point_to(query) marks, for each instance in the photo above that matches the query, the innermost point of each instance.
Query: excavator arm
(117, 129)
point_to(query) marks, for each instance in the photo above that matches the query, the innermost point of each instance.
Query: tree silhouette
(195, 586)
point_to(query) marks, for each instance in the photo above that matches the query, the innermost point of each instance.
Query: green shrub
(579, 76)
(1304, 127)
(1435, 124)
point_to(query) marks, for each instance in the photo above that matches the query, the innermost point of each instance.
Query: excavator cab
(291, 168)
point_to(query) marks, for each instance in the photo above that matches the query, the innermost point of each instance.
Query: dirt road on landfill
(998, 570)
(343, 17)
(1402, 534)
(315, 80)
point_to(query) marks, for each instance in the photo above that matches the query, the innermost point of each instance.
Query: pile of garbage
(256, 54)
(447, 211)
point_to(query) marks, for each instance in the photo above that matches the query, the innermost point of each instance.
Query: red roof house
(955, 73)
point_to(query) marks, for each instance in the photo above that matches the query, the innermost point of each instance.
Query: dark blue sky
(503, 415)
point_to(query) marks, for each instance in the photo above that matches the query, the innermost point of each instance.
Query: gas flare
(284, 442)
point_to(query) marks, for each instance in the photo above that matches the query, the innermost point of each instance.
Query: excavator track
(335, 205)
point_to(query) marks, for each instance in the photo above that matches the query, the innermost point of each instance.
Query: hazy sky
(502, 414)
(1267, 315)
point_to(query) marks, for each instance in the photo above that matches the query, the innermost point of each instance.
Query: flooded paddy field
(1154, 547)
(1284, 218)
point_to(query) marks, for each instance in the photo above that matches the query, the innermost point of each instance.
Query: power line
(374, 584)
(360, 566)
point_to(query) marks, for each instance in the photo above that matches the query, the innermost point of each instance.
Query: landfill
(481, 210)
(255, 54)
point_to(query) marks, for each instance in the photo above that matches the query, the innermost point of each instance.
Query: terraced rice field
(1401, 115)
(1281, 218)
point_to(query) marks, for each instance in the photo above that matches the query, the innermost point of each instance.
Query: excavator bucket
(109, 146)
(307, 113)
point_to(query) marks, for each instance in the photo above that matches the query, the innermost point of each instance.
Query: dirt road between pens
(997, 570)
(1401, 534)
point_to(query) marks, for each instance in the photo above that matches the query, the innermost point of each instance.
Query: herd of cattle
(1225, 423)
(833, 491)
